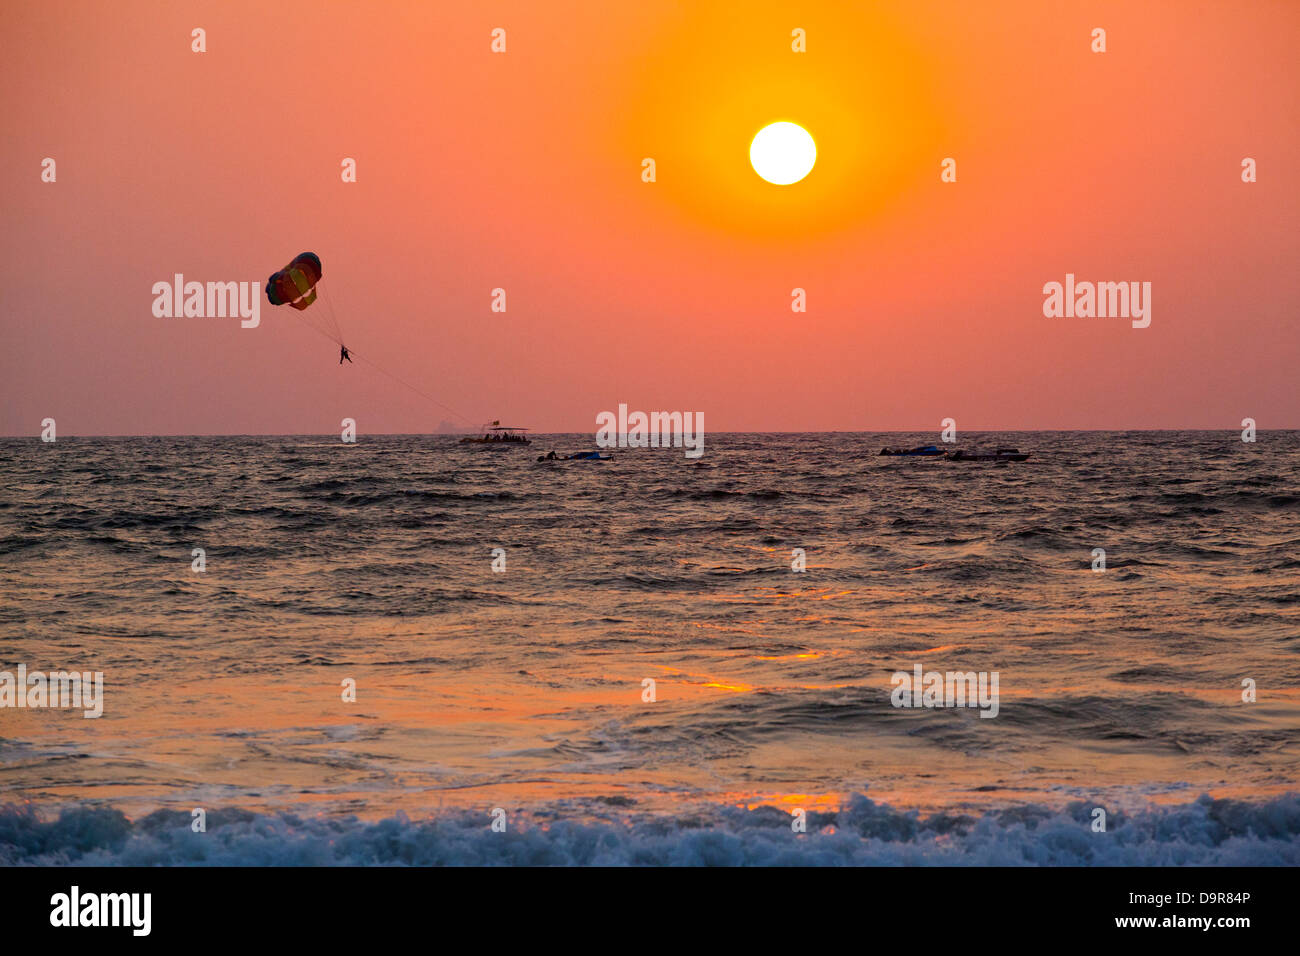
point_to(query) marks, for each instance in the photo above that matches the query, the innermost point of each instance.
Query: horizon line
(833, 431)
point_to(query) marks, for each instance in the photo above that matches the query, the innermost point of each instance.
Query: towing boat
(498, 435)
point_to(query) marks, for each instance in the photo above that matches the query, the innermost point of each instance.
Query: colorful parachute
(295, 284)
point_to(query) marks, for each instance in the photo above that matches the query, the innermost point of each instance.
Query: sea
(409, 650)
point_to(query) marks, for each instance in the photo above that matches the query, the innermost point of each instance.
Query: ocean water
(525, 689)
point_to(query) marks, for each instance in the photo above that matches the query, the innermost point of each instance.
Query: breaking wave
(1206, 832)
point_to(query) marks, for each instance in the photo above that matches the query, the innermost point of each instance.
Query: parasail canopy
(295, 284)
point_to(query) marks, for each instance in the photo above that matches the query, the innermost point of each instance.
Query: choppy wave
(1206, 832)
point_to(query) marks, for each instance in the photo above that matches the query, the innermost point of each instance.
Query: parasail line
(417, 391)
(303, 274)
(401, 381)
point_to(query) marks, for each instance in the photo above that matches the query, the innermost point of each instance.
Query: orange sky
(522, 171)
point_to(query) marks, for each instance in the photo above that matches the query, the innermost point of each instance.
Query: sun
(783, 153)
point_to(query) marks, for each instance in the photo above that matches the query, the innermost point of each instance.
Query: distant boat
(498, 435)
(579, 456)
(1003, 454)
(927, 451)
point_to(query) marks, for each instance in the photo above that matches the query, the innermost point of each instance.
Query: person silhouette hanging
(343, 354)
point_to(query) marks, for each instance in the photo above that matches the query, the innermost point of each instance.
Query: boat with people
(1002, 454)
(921, 451)
(498, 435)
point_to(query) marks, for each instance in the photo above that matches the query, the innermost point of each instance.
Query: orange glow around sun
(715, 79)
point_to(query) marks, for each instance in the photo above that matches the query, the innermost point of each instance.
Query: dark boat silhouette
(498, 435)
(921, 451)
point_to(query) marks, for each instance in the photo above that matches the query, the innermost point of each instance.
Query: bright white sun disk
(783, 153)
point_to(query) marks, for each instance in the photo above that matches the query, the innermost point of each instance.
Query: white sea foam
(1204, 832)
